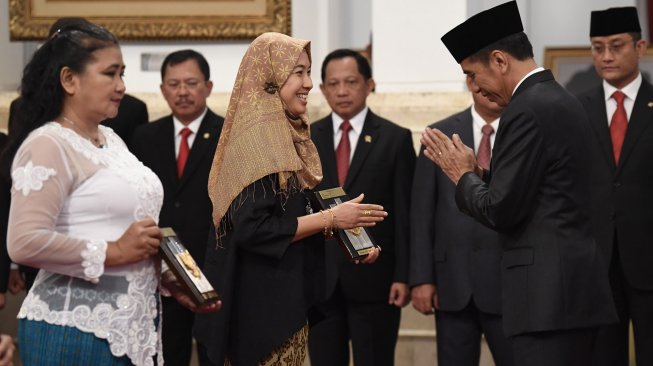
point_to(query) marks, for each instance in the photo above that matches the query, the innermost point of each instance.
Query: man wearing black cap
(555, 287)
(620, 113)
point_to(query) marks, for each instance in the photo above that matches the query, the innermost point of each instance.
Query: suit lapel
(598, 120)
(465, 128)
(205, 135)
(640, 119)
(324, 142)
(166, 145)
(366, 141)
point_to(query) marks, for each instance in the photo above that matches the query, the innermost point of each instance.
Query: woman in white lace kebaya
(84, 211)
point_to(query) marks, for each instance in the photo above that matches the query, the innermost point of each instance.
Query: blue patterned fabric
(43, 344)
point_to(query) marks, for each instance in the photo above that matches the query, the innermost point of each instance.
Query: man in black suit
(179, 148)
(555, 290)
(132, 113)
(10, 278)
(620, 112)
(455, 262)
(363, 302)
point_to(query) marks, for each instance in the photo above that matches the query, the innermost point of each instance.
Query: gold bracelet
(324, 218)
(334, 224)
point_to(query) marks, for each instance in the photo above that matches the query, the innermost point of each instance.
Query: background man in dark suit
(555, 287)
(455, 262)
(364, 302)
(620, 112)
(132, 113)
(10, 278)
(179, 148)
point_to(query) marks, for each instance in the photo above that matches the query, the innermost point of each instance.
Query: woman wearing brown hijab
(266, 261)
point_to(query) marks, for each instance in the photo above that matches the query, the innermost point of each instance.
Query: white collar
(535, 70)
(630, 90)
(356, 122)
(194, 126)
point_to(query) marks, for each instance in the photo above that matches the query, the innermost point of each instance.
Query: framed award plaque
(185, 269)
(356, 242)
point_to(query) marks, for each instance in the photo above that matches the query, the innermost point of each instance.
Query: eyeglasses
(350, 84)
(614, 48)
(175, 85)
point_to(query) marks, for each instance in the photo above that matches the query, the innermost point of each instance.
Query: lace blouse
(69, 198)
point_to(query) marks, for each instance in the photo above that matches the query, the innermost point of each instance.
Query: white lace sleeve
(43, 178)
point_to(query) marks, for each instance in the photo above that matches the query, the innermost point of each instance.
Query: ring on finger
(367, 212)
(439, 153)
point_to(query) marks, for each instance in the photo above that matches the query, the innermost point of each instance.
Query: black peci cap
(482, 30)
(614, 21)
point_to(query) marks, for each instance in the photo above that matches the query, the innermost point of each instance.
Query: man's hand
(169, 281)
(425, 298)
(399, 294)
(371, 257)
(7, 348)
(16, 282)
(452, 156)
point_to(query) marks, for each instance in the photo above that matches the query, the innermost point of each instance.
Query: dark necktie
(183, 150)
(484, 148)
(343, 152)
(618, 125)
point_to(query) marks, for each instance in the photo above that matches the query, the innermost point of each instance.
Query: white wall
(11, 59)
(407, 52)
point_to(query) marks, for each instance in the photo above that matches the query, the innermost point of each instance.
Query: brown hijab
(258, 139)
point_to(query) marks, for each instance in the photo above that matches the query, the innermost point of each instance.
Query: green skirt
(44, 344)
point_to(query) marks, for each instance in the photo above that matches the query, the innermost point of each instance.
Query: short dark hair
(363, 65)
(637, 36)
(517, 45)
(41, 94)
(178, 57)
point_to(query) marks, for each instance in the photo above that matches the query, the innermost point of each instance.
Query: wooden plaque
(356, 242)
(185, 269)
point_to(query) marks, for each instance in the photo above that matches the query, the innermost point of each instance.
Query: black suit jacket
(186, 204)
(382, 168)
(621, 197)
(132, 113)
(448, 248)
(5, 202)
(536, 196)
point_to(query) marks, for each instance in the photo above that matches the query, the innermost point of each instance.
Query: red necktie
(484, 149)
(343, 152)
(618, 125)
(183, 150)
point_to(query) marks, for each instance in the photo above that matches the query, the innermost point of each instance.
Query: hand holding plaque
(349, 222)
(188, 274)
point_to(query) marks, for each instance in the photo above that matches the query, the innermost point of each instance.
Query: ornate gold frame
(25, 25)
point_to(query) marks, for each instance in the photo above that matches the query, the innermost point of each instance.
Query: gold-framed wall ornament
(155, 19)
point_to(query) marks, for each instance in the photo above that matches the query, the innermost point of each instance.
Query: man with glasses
(620, 113)
(363, 153)
(179, 148)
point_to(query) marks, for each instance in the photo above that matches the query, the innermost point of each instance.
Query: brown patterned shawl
(258, 139)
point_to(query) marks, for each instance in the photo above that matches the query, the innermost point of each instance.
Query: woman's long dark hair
(41, 93)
